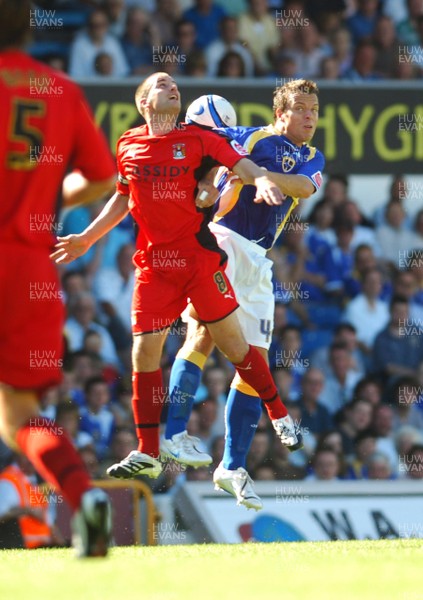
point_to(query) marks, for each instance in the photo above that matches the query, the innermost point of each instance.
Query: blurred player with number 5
(46, 127)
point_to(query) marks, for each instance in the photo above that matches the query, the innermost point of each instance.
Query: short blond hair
(282, 94)
(143, 90)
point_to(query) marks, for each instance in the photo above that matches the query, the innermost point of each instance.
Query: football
(211, 111)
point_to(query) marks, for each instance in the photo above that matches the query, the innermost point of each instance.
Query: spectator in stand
(91, 462)
(291, 358)
(406, 437)
(378, 467)
(356, 418)
(96, 418)
(396, 194)
(113, 289)
(103, 64)
(408, 29)
(67, 418)
(398, 349)
(329, 68)
(418, 228)
(387, 46)
(89, 43)
(364, 446)
(414, 462)
(82, 312)
(339, 385)
(395, 9)
(259, 452)
(344, 333)
(314, 416)
(294, 266)
(79, 367)
(185, 41)
(382, 426)
(284, 66)
(393, 237)
(281, 464)
(141, 42)
(325, 466)
(327, 14)
(336, 190)
(320, 228)
(363, 64)
(206, 17)
(209, 424)
(362, 23)
(229, 41)
(369, 388)
(74, 282)
(167, 13)
(363, 232)
(25, 518)
(116, 12)
(338, 260)
(231, 65)
(257, 28)
(364, 260)
(366, 312)
(404, 399)
(414, 264)
(342, 48)
(310, 51)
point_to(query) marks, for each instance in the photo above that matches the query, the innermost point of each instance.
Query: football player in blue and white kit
(246, 230)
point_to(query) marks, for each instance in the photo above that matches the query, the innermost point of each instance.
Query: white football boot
(183, 448)
(288, 433)
(239, 484)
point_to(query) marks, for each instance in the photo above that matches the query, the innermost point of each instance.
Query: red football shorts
(31, 318)
(172, 278)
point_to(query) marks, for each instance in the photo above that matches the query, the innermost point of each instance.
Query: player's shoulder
(133, 135)
(309, 152)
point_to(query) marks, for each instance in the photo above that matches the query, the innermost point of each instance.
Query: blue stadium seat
(312, 340)
(326, 316)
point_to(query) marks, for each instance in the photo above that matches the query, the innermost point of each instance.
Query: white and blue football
(211, 111)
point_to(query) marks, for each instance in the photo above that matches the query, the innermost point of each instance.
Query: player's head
(296, 109)
(158, 94)
(14, 23)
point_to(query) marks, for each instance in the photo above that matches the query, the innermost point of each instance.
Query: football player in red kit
(46, 128)
(160, 166)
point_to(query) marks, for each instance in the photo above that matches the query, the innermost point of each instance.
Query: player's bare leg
(148, 396)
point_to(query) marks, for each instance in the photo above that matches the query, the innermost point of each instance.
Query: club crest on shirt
(179, 151)
(288, 163)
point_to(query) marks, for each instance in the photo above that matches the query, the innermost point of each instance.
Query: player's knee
(237, 353)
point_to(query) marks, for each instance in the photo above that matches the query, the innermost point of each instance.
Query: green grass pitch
(388, 570)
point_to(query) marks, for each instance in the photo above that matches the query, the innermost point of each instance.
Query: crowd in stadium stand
(347, 350)
(353, 40)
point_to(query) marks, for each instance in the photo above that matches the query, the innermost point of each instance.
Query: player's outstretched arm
(73, 246)
(296, 186)
(251, 174)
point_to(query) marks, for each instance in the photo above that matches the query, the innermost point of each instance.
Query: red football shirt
(46, 128)
(161, 173)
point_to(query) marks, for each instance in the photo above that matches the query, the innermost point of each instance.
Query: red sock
(54, 457)
(255, 371)
(147, 404)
